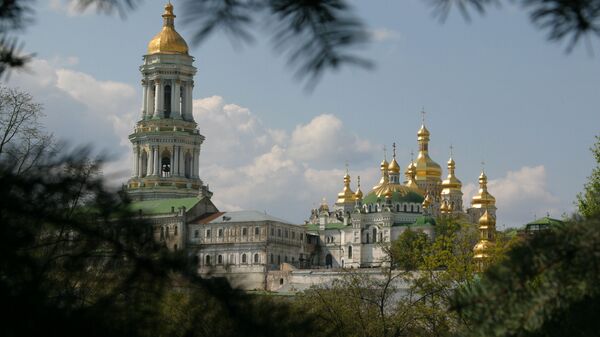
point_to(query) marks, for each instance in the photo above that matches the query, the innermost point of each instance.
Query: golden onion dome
(487, 220)
(451, 183)
(482, 249)
(427, 202)
(384, 165)
(168, 41)
(346, 195)
(324, 206)
(425, 167)
(423, 132)
(358, 195)
(483, 198)
(444, 207)
(393, 167)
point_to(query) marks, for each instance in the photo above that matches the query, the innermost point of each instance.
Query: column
(158, 100)
(149, 100)
(188, 101)
(156, 161)
(175, 161)
(134, 171)
(150, 170)
(144, 98)
(194, 164)
(175, 112)
(140, 163)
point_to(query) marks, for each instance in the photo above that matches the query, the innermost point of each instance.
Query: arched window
(272, 260)
(162, 233)
(349, 252)
(367, 241)
(165, 164)
(167, 101)
(144, 168)
(182, 100)
(244, 231)
(412, 208)
(278, 259)
(256, 258)
(405, 209)
(207, 259)
(176, 230)
(369, 208)
(256, 230)
(244, 258)
(220, 259)
(374, 234)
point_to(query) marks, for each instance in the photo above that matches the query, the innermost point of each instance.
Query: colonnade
(183, 161)
(153, 99)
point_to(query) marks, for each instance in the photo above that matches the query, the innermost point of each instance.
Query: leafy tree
(408, 249)
(546, 286)
(589, 200)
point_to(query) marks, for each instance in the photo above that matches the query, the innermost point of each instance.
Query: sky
(494, 88)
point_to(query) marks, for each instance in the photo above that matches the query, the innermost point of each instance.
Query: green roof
(545, 221)
(424, 220)
(162, 206)
(372, 198)
(315, 227)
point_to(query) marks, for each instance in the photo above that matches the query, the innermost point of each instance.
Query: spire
(483, 199)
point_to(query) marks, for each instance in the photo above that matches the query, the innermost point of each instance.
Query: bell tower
(166, 141)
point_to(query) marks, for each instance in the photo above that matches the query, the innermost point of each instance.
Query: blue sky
(495, 88)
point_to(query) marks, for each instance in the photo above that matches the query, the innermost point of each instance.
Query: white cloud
(384, 34)
(83, 110)
(520, 195)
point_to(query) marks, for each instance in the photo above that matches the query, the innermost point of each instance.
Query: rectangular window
(293, 235)
(286, 233)
(244, 231)
(208, 233)
(279, 232)
(257, 231)
(220, 232)
(272, 231)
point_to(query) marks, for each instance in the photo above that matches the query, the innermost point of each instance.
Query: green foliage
(589, 200)
(546, 286)
(408, 249)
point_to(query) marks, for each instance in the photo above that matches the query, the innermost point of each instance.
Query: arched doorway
(328, 261)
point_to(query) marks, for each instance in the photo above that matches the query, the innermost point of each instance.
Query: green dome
(397, 197)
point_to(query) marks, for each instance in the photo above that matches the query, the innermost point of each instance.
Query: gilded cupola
(426, 168)
(393, 167)
(168, 41)
(451, 183)
(487, 230)
(346, 195)
(358, 195)
(483, 199)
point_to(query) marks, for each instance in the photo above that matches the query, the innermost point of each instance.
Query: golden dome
(451, 183)
(168, 41)
(423, 132)
(444, 207)
(427, 202)
(384, 165)
(483, 198)
(346, 195)
(483, 248)
(324, 206)
(487, 220)
(393, 167)
(358, 195)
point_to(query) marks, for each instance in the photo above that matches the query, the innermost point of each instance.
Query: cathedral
(354, 233)
(249, 247)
